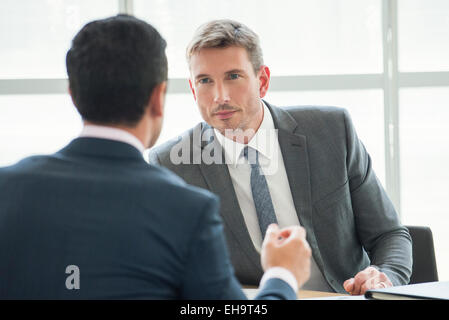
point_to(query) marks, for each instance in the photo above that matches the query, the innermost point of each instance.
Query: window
(35, 124)
(35, 35)
(424, 29)
(312, 37)
(424, 164)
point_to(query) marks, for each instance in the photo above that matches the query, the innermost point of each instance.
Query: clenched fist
(287, 248)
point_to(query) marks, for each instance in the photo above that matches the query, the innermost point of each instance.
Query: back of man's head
(113, 66)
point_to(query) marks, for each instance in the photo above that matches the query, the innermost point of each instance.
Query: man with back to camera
(95, 221)
(308, 168)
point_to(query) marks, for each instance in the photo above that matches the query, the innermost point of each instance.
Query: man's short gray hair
(226, 33)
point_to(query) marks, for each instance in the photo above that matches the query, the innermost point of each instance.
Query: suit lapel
(294, 152)
(219, 182)
(293, 146)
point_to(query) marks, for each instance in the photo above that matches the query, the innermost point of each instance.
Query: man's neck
(129, 135)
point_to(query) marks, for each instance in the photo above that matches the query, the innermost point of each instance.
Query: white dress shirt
(103, 132)
(266, 142)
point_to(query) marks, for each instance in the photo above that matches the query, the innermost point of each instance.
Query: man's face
(226, 88)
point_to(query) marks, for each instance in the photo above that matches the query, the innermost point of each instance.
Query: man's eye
(204, 80)
(234, 76)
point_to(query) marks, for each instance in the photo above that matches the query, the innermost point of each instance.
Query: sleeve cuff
(280, 273)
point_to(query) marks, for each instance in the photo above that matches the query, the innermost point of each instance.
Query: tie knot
(251, 155)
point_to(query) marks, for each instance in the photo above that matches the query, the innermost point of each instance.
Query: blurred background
(385, 61)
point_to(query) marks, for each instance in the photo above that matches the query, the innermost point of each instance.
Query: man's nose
(221, 94)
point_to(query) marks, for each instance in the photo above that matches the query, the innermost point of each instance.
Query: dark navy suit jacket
(133, 230)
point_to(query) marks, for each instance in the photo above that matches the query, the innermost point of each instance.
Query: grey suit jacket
(350, 221)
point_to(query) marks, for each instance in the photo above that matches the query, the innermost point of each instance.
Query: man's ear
(192, 89)
(157, 100)
(264, 80)
(71, 95)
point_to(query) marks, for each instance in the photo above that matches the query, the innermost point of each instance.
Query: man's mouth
(225, 114)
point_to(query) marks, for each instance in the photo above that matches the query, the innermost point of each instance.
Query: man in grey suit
(299, 165)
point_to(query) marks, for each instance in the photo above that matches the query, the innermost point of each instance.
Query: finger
(293, 232)
(298, 237)
(348, 285)
(361, 277)
(380, 285)
(384, 278)
(285, 233)
(359, 280)
(369, 284)
(272, 232)
(370, 272)
(382, 281)
(300, 231)
(357, 288)
(369, 278)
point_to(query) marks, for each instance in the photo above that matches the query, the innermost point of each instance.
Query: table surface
(302, 294)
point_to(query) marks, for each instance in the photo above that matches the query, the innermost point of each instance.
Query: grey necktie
(261, 194)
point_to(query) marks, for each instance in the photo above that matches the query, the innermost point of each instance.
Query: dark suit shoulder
(165, 179)
(28, 164)
(174, 194)
(141, 174)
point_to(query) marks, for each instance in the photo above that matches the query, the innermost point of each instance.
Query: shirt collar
(110, 133)
(262, 141)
